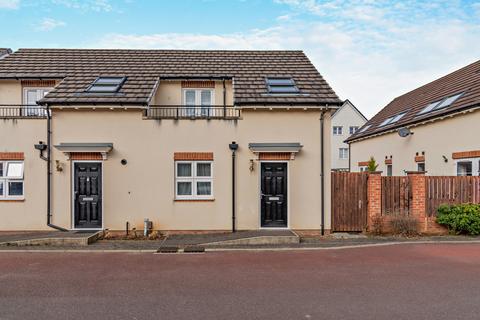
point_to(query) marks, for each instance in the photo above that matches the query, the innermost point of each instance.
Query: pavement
(413, 281)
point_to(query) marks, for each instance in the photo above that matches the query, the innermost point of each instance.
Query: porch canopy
(70, 148)
(289, 148)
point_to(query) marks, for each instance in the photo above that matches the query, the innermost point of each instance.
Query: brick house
(191, 140)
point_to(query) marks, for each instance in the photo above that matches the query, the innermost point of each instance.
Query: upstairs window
(198, 102)
(337, 130)
(353, 129)
(281, 85)
(343, 153)
(440, 104)
(106, 85)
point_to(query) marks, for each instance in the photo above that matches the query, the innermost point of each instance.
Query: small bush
(460, 219)
(377, 225)
(404, 225)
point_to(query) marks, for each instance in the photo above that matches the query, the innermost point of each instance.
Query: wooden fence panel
(450, 190)
(349, 201)
(396, 195)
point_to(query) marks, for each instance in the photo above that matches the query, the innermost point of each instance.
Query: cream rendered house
(192, 140)
(433, 128)
(345, 122)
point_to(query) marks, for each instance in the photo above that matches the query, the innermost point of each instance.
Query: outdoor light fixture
(445, 159)
(41, 146)
(252, 165)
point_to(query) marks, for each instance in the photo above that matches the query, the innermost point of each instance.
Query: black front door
(87, 191)
(274, 194)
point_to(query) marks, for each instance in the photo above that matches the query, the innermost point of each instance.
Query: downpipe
(49, 172)
(322, 171)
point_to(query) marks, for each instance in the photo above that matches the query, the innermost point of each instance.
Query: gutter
(49, 172)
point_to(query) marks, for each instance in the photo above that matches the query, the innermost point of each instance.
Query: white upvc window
(11, 180)
(198, 102)
(343, 153)
(363, 168)
(468, 167)
(337, 130)
(193, 180)
(353, 129)
(30, 97)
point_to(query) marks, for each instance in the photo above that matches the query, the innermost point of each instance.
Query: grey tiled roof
(248, 69)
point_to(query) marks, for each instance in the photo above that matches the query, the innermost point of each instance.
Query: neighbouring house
(345, 122)
(191, 140)
(432, 128)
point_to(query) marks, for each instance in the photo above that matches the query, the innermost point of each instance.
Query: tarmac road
(411, 281)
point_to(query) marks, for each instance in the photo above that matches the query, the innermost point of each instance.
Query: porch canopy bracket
(291, 148)
(78, 147)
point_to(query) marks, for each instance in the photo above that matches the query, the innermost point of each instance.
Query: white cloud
(9, 4)
(369, 62)
(86, 5)
(48, 24)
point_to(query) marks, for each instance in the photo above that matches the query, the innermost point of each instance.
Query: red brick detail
(85, 156)
(374, 189)
(418, 187)
(274, 156)
(388, 161)
(420, 159)
(363, 163)
(38, 83)
(466, 154)
(12, 156)
(195, 156)
(198, 84)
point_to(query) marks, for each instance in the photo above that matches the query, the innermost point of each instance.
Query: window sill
(12, 200)
(193, 200)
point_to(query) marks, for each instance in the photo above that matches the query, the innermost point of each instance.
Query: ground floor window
(468, 167)
(11, 180)
(363, 169)
(389, 170)
(193, 180)
(421, 166)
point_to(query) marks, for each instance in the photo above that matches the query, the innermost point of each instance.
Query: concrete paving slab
(46, 238)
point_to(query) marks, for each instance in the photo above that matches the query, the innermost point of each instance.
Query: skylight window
(365, 128)
(440, 104)
(281, 85)
(106, 84)
(392, 119)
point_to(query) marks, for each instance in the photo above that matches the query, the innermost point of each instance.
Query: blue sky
(369, 51)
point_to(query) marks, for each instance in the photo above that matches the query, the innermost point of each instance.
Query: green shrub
(460, 219)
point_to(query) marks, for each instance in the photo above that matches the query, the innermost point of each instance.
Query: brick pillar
(418, 204)
(417, 183)
(374, 194)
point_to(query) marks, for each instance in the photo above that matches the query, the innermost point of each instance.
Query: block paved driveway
(433, 281)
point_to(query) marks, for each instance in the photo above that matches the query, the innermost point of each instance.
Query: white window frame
(198, 101)
(337, 133)
(475, 166)
(389, 166)
(344, 152)
(6, 180)
(362, 168)
(353, 129)
(30, 110)
(193, 179)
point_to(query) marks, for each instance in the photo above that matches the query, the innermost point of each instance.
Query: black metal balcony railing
(192, 112)
(22, 112)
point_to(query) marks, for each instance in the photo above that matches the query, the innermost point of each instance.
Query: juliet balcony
(22, 112)
(181, 112)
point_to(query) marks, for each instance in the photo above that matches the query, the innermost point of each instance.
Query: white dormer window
(198, 102)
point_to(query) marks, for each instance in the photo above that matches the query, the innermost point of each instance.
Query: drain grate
(168, 250)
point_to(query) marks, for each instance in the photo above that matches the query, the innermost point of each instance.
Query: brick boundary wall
(427, 225)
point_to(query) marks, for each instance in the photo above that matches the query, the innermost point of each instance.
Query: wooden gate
(349, 201)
